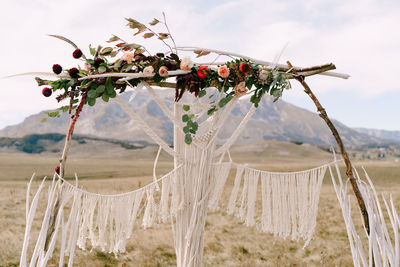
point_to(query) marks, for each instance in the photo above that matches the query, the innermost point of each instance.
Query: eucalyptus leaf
(105, 97)
(100, 89)
(186, 107)
(185, 118)
(102, 69)
(188, 139)
(92, 101)
(92, 94)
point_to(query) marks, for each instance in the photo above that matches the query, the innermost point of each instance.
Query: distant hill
(53, 143)
(272, 121)
(383, 134)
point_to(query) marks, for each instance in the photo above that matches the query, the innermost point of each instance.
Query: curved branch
(349, 168)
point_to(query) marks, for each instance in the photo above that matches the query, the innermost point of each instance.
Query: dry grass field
(227, 242)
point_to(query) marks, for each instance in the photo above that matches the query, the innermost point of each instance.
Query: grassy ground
(227, 242)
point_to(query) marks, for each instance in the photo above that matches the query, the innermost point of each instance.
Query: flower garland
(235, 78)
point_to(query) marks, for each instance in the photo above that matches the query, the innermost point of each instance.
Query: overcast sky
(362, 38)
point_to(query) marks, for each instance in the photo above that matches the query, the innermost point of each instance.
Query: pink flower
(88, 67)
(128, 57)
(163, 71)
(223, 71)
(148, 71)
(240, 89)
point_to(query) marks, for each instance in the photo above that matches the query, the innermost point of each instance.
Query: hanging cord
(155, 167)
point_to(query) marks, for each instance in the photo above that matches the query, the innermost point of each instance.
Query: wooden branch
(261, 62)
(63, 160)
(349, 168)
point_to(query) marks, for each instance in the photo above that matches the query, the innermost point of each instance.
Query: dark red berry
(57, 69)
(77, 53)
(73, 73)
(100, 81)
(47, 91)
(97, 62)
(57, 170)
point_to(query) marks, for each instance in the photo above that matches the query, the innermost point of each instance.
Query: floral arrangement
(237, 77)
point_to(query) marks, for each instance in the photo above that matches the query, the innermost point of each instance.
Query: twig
(63, 160)
(349, 168)
(169, 32)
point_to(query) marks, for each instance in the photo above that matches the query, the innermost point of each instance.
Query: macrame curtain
(288, 201)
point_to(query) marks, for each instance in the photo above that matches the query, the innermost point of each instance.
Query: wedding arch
(205, 94)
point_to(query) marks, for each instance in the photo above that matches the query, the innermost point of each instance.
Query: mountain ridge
(279, 121)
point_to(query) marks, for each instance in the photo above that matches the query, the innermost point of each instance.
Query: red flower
(73, 73)
(57, 69)
(47, 91)
(57, 170)
(244, 67)
(202, 72)
(77, 53)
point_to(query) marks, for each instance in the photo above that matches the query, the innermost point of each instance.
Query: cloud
(360, 37)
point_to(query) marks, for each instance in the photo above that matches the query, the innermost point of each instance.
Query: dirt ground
(227, 241)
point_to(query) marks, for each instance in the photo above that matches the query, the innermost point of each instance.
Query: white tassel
(219, 175)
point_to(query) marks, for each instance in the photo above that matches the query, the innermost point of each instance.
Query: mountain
(382, 134)
(277, 121)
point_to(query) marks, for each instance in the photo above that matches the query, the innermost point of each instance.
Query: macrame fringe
(289, 201)
(382, 249)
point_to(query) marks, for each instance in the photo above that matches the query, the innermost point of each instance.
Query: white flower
(263, 75)
(186, 63)
(148, 71)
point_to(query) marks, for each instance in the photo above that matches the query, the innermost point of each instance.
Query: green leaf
(188, 139)
(202, 93)
(195, 126)
(132, 45)
(109, 84)
(134, 24)
(154, 22)
(114, 38)
(109, 89)
(112, 94)
(186, 129)
(92, 50)
(126, 68)
(53, 114)
(102, 69)
(63, 108)
(105, 97)
(92, 101)
(92, 94)
(100, 89)
(106, 51)
(186, 107)
(222, 102)
(43, 120)
(185, 118)
(87, 85)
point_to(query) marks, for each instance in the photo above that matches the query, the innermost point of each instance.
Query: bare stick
(62, 168)
(349, 168)
(169, 32)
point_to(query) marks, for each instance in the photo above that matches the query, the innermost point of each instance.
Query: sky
(362, 38)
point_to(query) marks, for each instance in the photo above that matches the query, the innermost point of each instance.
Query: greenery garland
(235, 78)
